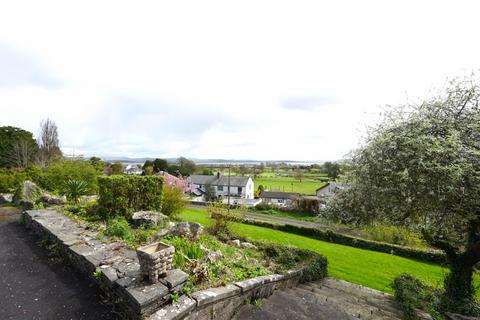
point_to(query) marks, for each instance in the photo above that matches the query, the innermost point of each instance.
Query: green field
(369, 268)
(288, 184)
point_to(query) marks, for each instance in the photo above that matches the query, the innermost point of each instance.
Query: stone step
(377, 300)
(350, 304)
(369, 296)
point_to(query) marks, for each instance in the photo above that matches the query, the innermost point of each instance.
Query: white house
(279, 198)
(133, 169)
(240, 187)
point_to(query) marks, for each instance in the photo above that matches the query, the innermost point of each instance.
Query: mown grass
(288, 184)
(369, 268)
(291, 215)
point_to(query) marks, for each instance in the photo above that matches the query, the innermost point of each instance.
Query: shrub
(57, 174)
(315, 266)
(73, 189)
(412, 294)
(172, 201)
(120, 229)
(221, 222)
(122, 195)
(10, 179)
(394, 235)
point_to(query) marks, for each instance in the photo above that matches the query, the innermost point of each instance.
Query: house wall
(278, 202)
(247, 191)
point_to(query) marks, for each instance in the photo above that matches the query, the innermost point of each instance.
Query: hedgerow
(330, 236)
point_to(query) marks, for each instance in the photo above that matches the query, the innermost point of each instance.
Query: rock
(6, 198)
(235, 242)
(455, 316)
(52, 200)
(182, 229)
(27, 195)
(148, 218)
(247, 245)
(213, 256)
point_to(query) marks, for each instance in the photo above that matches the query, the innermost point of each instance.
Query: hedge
(314, 265)
(123, 195)
(330, 236)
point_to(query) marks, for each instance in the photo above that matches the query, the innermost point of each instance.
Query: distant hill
(209, 161)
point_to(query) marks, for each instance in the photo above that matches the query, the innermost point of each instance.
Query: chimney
(218, 175)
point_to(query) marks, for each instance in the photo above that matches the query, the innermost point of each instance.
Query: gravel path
(33, 287)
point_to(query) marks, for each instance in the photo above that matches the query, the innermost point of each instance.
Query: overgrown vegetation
(413, 294)
(222, 219)
(172, 201)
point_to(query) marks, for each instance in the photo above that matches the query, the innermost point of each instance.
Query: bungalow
(240, 187)
(279, 198)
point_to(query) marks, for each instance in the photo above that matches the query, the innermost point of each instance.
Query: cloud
(308, 103)
(18, 69)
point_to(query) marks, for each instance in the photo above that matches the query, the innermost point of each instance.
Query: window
(220, 188)
(239, 189)
(280, 200)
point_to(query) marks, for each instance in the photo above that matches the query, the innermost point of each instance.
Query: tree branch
(449, 250)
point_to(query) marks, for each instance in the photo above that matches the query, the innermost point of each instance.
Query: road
(34, 287)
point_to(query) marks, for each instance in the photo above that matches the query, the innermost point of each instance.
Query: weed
(174, 297)
(97, 273)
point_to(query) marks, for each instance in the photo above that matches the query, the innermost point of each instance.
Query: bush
(221, 222)
(412, 294)
(394, 235)
(10, 179)
(123, 195)
(315, 266)
(57, 174)
(120, 229)
(172, 201)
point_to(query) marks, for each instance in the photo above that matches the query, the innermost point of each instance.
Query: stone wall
(221, 303)
(113, 266)
(121, 280)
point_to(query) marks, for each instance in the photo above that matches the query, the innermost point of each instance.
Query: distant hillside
(209, 161)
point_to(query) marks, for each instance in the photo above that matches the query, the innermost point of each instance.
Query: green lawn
(369, 268)
(288, 184)
(291, 215)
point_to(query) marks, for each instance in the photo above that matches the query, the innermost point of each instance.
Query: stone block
(175, 311)
(215, 294)
(174, 278)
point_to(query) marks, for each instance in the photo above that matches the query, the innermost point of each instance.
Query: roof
(235, 181)
(279, 195)
(202, 179)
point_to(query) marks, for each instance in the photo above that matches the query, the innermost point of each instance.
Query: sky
(263, 80)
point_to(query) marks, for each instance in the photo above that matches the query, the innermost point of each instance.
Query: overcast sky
(262, 80)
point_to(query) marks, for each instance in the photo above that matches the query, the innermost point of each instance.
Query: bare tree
(48, 143)
(23, 152)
